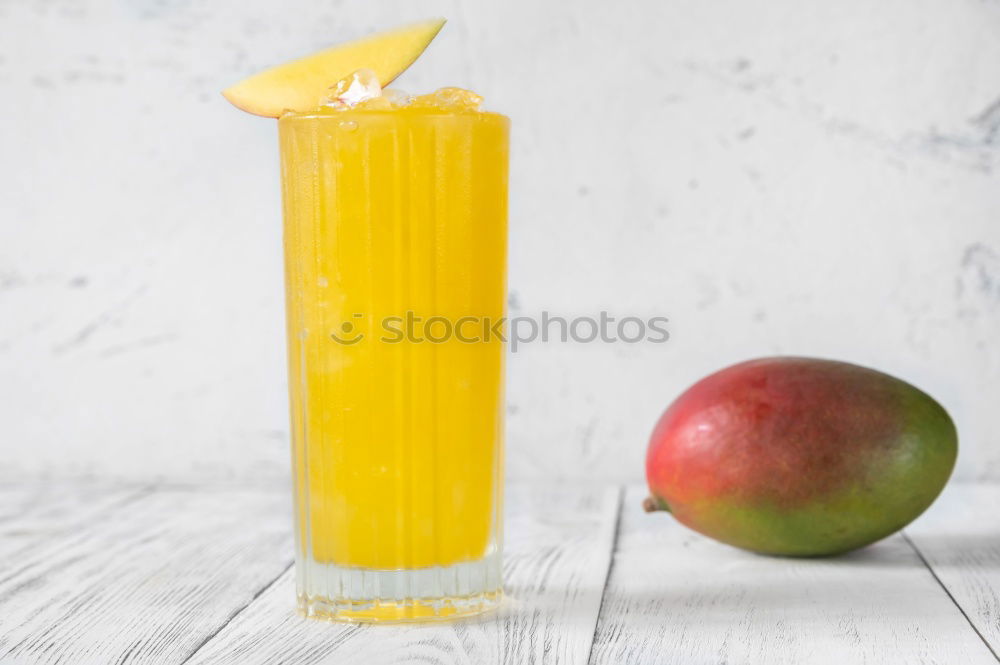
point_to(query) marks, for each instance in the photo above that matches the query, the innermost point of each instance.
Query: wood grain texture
(674, 596)
(142, 581)
(557, 551)
(93, 574)
(38, 512)
(959, 537)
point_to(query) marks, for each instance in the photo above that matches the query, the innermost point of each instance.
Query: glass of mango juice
(395, 236)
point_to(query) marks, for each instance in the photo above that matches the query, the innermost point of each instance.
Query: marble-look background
(775, 177)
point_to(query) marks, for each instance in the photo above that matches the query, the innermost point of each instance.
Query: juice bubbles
(395, 248)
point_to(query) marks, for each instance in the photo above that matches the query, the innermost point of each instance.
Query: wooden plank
(558, 548)
(36, 512)
(148, 582)
(959, 537)
(674, 596)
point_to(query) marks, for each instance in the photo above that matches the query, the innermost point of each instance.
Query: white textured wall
(776, 177)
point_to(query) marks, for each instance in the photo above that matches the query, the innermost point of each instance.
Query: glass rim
(418, 112)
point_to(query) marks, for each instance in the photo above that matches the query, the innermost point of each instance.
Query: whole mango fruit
(799, 456)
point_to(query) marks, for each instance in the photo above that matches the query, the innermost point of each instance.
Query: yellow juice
(395, 251)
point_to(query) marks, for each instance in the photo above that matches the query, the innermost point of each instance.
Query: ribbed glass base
(340, 593)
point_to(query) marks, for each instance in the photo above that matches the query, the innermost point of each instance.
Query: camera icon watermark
(412, 328)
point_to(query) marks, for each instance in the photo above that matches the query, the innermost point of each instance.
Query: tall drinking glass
(395, 227)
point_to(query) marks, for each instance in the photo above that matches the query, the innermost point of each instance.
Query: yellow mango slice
(302, 84)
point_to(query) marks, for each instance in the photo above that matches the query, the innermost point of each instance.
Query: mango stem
(650, 505)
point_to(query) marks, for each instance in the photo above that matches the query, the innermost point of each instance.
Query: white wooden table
(114, 575)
